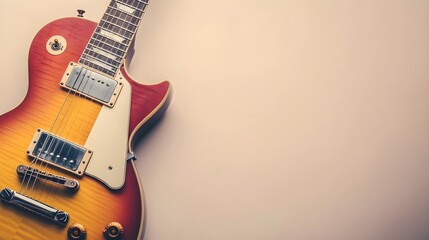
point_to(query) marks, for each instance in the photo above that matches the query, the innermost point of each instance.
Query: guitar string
(52, 150)
(72, 127)
(82, 100)
(43, 145)
(49, 135)
(34, 162)
(78, 97)
(49, 153)
(77, 134)
(133, 33)
(76, 101)
(55, 191)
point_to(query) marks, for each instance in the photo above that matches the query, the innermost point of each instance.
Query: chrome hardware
(92, 84)
(113, 231)
(71, 184)
(131, 156)
(56, 45)
(59, 152)
(76, 231)
(35, 206)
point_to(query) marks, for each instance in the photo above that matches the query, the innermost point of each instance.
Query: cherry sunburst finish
(73, 116)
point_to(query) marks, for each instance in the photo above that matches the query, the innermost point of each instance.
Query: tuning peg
(81, 12)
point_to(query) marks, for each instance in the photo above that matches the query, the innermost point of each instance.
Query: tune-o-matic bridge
(59, 152)
(32, 173)
(55, 215)
(94, 85)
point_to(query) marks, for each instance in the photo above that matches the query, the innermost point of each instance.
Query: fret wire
(91, 52)
(110, 31)
(128, 5)
(119, 10)
(118, 19)
(121, 46)
(94, 61)
(101, 60)
(132, 32)
(107, 40)
(143, 4)
(103, 49)
(123, 16)
(119, 22)
(107, 26)
(116, 51)
(140, 5)
(114, 29)
(107, 53)
(116, 36)
(112, 51)
(111, 39)
(97, 67)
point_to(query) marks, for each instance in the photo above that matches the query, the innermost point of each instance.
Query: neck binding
(112, 37)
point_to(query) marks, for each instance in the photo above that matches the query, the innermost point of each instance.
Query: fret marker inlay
(99, 63)
(111, 35)
(125, 8)
(104, 53)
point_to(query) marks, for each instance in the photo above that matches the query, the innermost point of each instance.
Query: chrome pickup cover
(59, 152)
(92, 84)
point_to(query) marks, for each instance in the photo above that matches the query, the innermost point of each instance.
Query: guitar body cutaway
(50, 107)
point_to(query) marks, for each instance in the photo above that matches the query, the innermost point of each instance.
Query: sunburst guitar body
(66, 152)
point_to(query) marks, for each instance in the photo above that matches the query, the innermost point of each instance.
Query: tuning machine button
(80, 12)
(76, 231)
(113, 231)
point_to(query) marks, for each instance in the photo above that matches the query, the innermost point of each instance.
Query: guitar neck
(107, 47)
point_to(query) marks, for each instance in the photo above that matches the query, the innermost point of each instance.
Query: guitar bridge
(46, 211)
(24, 171)
(59, 152)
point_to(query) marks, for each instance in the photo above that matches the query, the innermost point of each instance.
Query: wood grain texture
(49, 107)
(142, 118)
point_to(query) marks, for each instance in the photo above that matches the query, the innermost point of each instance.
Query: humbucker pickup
(59, 152)
(92, 84)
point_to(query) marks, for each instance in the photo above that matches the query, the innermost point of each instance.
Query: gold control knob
(113, 231)
(76, 231)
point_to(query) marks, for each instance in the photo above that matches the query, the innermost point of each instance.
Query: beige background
(301, 120)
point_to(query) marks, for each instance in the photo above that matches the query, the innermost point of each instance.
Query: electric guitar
(66, 152)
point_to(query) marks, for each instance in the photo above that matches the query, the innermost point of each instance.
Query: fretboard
(112, 37)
